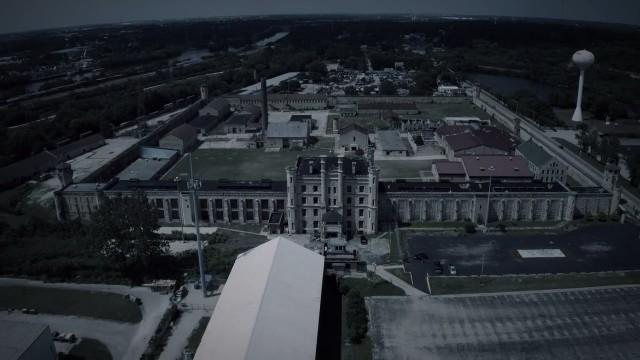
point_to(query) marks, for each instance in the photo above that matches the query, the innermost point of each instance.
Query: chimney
(204, 92)
(265, 106)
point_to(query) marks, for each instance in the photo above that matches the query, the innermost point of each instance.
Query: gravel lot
(567, 324)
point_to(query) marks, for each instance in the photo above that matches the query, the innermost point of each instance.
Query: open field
(93, 304)
(556, 324)
(403, 169)
(437, 111)
(244, 164)
(441, 285)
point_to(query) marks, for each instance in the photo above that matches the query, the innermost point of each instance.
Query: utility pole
(486, 218)
(194, 185)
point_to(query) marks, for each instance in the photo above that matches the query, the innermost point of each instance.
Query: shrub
(356, 317)
(469, 228)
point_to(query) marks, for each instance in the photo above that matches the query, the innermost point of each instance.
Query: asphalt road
(565, 324)
(588, 249)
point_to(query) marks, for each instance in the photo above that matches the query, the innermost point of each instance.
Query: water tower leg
(577, 114)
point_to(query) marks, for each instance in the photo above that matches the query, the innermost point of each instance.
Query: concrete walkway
(194, 307)
(383, 273)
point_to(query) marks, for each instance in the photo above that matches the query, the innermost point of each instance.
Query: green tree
(124, 231)
(388, 88)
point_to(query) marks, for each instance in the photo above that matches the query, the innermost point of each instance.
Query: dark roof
(218, 104)
(452, 129)
(242, 118)
(353, 127)
(471, 187)
(203, 121)
(276, 218)
(92, 141)
(185, 132)
(485, 136)
(296, 118)
(503, 166)
(387, 106)
(495, 138)
(462, 141)
(332, 217)
(534, 153)
(449, 168)
(312, 166)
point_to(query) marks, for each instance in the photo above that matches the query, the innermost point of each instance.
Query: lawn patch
(441, 285)
(58, 301)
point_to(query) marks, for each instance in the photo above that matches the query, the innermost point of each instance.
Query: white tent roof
(269, 307)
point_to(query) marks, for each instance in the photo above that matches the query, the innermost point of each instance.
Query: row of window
(315, 200)
(332, 189)
(217, 209)
(316, 225)
(348, 212)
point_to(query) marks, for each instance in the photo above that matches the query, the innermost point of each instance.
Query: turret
(65, 174)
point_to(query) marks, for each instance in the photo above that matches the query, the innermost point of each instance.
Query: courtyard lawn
(403, 169)
(441, 285)
(374, 287)
(365, 122)
(401, 274)
(437, 111)
(244, 164)
(58, 301)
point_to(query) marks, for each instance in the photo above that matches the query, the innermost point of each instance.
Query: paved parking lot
(567, 324)
(589, 249)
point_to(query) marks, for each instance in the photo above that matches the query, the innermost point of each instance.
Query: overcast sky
(21, 15)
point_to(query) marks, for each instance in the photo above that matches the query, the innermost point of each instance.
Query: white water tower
(583, 59)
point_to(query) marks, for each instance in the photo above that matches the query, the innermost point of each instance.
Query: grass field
(405, 276)
(365, 122)
(244, 164)
(196, 334)
(437, 111)
(403, 169)
(374, 287)
(90, 349)
(441, 285)
(94, 304)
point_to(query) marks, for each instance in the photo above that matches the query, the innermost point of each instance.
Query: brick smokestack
(265, 106)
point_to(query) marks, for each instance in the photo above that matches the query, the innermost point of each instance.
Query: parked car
(421, 257)
(452, 270)
(363, 240)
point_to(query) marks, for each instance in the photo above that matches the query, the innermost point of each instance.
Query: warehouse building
(277, 285)
(182, 139)
(26, 341)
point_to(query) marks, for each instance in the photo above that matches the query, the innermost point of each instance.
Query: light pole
(177, 181)
(486, 218)
(194, 185)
